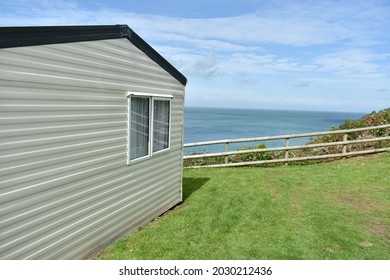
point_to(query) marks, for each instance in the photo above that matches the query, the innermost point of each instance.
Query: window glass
(161, 113)
(139, 127)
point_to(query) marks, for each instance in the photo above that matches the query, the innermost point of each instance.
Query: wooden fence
(287, 147)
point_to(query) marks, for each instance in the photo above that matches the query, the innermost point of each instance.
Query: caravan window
(149, 126)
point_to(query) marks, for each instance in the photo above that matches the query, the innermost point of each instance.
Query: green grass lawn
(334, 210)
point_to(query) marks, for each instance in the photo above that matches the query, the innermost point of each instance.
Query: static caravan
(91, 134)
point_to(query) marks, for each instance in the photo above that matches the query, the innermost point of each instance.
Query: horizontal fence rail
(344, 144)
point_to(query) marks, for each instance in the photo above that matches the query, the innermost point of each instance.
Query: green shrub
(203, 161)
(255, 156)
(374, 119)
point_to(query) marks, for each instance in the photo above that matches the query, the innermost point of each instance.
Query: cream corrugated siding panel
(65, 187)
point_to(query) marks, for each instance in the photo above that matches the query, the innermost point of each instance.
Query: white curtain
(160, 125)
(139, 133)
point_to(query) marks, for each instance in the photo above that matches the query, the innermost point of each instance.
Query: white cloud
(205, 67)
(245, 32)
(353, 61)
(254, 98)
(253, 63)
(383, 90)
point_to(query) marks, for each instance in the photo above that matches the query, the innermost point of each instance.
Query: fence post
(286, 144)
(345, 139)
(227, 150)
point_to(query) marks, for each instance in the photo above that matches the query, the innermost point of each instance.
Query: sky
(269, 54)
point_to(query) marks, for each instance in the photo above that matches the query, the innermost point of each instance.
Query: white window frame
(152, 97)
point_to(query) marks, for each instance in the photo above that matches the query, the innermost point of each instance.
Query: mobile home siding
(65, 187)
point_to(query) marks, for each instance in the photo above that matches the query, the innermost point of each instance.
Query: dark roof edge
(11, 37)
(133, 37)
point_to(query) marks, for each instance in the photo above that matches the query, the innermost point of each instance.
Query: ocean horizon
(208, 123)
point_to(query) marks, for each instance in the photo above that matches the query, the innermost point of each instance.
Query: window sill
(155, 154)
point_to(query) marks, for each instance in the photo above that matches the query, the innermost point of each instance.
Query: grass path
(335, 210)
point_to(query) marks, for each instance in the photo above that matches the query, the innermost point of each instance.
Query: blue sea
(205, 124)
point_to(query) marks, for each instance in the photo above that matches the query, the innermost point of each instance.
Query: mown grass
(334, 210)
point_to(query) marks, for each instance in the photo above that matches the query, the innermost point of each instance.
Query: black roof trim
(11, 37)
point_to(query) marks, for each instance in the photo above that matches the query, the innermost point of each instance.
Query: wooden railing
(287, 147)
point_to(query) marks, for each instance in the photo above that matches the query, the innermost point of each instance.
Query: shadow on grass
(191, 185)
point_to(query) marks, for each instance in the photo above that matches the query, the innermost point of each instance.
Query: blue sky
(296, 55)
